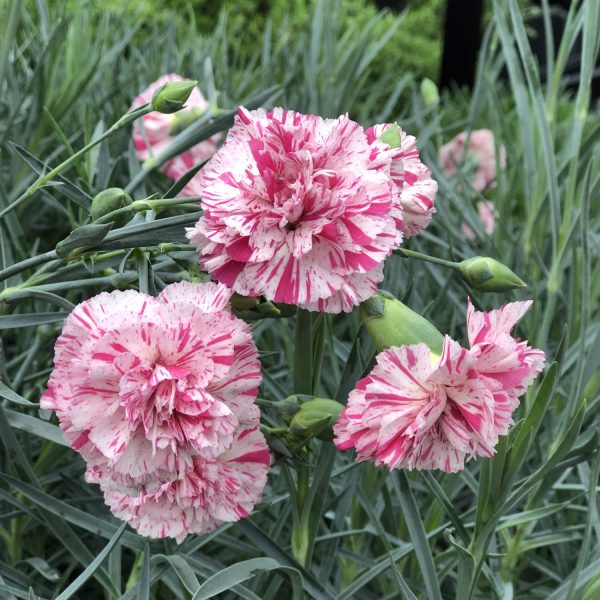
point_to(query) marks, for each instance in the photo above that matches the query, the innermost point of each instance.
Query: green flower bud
(110, 200)
(488, 275)
(289, 406)
(172, 96)
(81, 240)
(239, 302)
(391, 323)
(429, 92)
(315, 419)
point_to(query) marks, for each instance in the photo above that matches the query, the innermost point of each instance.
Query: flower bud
(315, 419)
(108, 201)
(81, 240)
(172, 96)
(239, 302)
(289, 406)
(429, 92)
(488, 275)
(391, 323)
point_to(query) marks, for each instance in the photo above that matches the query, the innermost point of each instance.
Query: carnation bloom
(157, 394)
(487, 216)
(417, 188)
(159, 129)
(416, 410)
(481, 151)
(299, 209)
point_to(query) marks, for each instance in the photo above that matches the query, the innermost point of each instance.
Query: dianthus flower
(299, 209)
(157, 395)
(417, 188)
(480, 151)
(158, 129)
(416, 410)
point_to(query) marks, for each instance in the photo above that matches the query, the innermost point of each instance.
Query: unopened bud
(239, 302)
(110, 200)
(172, 96)
(391, 323)
(429, 92)
(81, 240)
(315, 419)
(488, 275)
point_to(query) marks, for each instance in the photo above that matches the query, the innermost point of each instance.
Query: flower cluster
(157, 394)
(157, 130)
(417, 410)
(304, 210)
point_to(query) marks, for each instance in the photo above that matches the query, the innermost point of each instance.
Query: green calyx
(488, 275)
(391, 323)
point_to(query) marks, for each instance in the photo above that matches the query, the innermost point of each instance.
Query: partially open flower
(296, 210)
(418, 189)
(156, 131)
(157, 394)
(419, 410)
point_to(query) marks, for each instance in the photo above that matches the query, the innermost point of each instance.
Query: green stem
(28, 263)
(425, 257)
(122, 122)
(303, 384)
(303, 353)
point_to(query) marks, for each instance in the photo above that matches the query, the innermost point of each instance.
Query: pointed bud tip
(489, 275)
(172, 96)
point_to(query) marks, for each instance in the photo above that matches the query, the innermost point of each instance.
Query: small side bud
(108, 201)
(239, 302)
(488, 275)
(172, 96)
(315, 419)
(429, 92)
(391, 323)
(81, 240)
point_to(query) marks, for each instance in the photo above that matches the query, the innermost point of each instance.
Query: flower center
(173, 410)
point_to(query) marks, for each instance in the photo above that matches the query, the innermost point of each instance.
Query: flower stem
(122, 122)
(425, 257)
(303, 384)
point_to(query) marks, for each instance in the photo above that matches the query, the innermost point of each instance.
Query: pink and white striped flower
(481, 151)
(157, 394)
(296, 210)
(416, 410)
(158, 129)
(418, 189)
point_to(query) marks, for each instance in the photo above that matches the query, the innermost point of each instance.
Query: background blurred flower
(157, 394)
(418, 188)
(158, 129)
(417, 410)
(487, 216)
(294, 210)
(480, 151)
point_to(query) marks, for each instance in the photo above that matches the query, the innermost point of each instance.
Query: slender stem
(303, 353)
(425, 257)
(303, 384)
(122, 122)
(28, 263)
